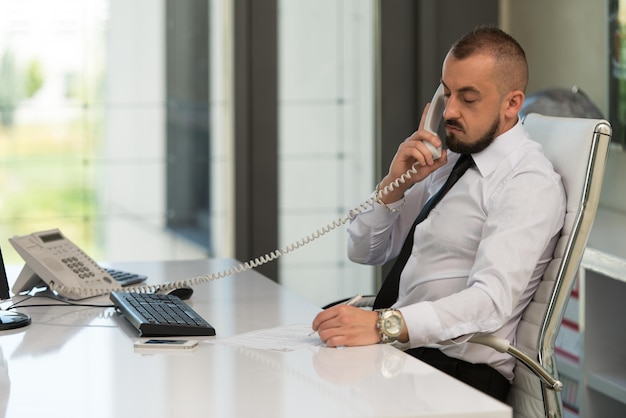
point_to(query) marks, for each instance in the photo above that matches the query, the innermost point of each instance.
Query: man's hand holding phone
(414, 154)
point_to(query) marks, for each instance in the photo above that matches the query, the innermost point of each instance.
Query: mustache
(453, 123)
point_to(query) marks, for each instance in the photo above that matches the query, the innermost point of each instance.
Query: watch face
(393, 325)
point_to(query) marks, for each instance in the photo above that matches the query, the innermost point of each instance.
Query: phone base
(27, 280)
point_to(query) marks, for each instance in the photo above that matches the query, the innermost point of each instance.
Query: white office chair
(578, 149)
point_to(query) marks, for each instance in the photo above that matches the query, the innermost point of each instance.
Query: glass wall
(87, 96)
(51, 90)
(116, 126)
(326, 139)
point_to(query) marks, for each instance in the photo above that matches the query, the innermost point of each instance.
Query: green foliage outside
(16, 84)
(47, 183)
(46, 169)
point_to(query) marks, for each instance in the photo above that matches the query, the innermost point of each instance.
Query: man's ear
(513, 104)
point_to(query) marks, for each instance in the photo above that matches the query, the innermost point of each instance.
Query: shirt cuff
(391, 207)
(422, 324)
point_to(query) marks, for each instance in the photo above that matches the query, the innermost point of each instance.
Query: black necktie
(388, 293)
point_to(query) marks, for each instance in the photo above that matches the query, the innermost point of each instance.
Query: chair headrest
(562, 140)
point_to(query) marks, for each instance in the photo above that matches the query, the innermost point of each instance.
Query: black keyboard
(125, 278)
(159, 315)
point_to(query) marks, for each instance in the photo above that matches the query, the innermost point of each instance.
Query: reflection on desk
(78, 362)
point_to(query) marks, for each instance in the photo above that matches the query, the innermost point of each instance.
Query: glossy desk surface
(80, 362)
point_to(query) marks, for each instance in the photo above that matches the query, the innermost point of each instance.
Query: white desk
(80, 362)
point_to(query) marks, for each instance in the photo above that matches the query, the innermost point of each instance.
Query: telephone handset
(49, 253)
(54, 259)
(433, 119)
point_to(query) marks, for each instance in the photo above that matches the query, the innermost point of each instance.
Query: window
(326, 138)
(107, 133)
(121, 134)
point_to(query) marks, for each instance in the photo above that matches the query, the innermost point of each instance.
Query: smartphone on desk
(164, 344)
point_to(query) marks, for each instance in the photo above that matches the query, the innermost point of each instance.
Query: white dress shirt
(479, 256)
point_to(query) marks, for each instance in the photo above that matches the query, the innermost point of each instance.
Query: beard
(454, 144)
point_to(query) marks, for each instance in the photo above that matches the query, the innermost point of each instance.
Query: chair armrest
(504, 346)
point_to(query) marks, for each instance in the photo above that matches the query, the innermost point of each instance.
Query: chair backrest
(578, 150)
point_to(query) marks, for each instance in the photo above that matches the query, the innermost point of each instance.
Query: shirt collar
(488, 159)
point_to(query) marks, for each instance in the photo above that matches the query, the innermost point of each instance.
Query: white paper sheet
(284, 338)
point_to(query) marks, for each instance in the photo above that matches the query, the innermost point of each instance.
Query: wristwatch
(389, 325)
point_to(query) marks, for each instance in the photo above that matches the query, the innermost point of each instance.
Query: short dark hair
(510, 59)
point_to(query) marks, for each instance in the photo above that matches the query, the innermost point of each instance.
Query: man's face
(474, 110)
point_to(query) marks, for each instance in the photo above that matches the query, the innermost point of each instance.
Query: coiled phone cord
(82, 292)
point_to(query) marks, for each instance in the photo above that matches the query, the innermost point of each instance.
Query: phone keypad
(78, 267)
(79, 263)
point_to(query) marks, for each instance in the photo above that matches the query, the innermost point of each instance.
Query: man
(477, 258)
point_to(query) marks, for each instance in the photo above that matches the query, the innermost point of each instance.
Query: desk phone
(53, 259)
